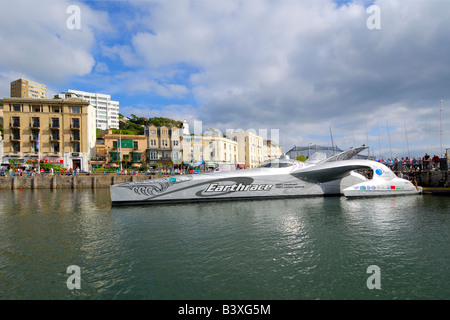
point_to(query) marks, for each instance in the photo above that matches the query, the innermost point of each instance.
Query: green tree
(161, 121)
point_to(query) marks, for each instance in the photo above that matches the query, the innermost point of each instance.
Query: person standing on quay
(426, 161)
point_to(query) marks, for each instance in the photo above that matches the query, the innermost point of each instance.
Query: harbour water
(307, 248)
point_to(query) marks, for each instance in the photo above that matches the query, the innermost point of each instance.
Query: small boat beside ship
(284, 178)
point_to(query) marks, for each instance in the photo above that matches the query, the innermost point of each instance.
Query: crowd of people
(424, 163)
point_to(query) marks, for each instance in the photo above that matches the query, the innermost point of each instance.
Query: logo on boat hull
(215, 187)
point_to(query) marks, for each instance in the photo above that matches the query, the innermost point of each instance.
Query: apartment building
(120, 150)
(60, 131)
(22, 88)
(250, 148)
(210, 150)
(164, 146)
(272, 150)
(106, 110)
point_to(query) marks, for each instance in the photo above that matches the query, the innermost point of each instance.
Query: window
(35, 122)
(115, 156)
(76, 109)
(55, 122)
(115, 144)
(55, 147)
(16, 107)
(15, 134)
(16, 146)
(175, 143)
(76, 123)
(136, 157)
(153, 142)
(76, 135)
(55, 135)
(135, 144)
(34, 134)
(35, 146)
(76, 147)
(164, 143)
(153, 155)
(16, 121)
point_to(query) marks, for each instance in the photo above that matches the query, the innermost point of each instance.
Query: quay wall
(430, 179)
(68, 182)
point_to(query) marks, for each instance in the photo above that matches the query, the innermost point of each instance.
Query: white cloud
(35, 39)
(298, 66)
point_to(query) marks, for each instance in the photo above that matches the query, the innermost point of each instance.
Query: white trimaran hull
(283, 179)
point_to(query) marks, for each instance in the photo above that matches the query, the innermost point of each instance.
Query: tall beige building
(211, 150)
(251, 148)
(60, 131)
(272, 150)
(22, 88)
(164, 146)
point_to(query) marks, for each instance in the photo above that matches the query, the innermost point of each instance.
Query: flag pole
(120, 150)
(39, 152)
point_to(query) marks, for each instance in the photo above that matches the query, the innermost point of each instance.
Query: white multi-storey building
(107, 111)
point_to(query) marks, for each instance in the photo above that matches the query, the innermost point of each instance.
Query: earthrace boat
(284, 178)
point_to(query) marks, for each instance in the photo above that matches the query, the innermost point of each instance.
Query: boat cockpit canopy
(277, 164)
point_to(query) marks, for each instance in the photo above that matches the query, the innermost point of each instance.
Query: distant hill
(135, 125)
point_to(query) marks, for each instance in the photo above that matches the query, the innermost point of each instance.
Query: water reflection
(309, 248)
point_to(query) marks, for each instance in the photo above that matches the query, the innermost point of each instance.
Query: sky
(315, 71)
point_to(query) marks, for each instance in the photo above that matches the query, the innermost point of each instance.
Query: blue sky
(299, 66)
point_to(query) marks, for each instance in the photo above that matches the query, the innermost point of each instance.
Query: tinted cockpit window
(277, 165)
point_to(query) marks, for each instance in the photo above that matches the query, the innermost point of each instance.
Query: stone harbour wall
(68, 182)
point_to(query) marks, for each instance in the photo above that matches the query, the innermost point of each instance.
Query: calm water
(313, 248)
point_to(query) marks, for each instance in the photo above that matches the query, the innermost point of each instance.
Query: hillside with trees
(136, 125)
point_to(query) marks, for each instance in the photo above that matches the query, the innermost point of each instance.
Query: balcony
(54, 138)
(15, 137)
(74, 139)
(54, 126)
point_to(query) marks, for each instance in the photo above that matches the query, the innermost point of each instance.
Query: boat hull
(397, 187)
(217, 187)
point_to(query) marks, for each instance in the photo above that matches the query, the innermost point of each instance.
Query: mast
(441, 126)
(406, 135)
(367, 139)
(389, 135)
(332, 142)
(379, 141)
